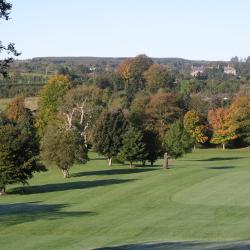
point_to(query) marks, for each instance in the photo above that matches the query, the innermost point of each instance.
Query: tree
(177, 140)
(108, 136)
(157, 77)
(153, 147)
(50, 99)
(5, 8)
(162, 110)
(62, 147)
(192, 124)
(241, 116)
(223, 127)
(133, 148)
(19, 148)
(137, 114)
(132, 70)
(81, 107)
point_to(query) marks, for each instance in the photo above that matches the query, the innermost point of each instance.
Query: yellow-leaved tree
(223, 126)
(194, 126)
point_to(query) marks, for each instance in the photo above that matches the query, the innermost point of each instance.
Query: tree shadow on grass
(114, 172)
(183, 246)
(55, 187)
(221, 168)
(16, 213)
(221, 159)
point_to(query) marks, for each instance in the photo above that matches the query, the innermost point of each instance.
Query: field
(30, 103)
(201, 202)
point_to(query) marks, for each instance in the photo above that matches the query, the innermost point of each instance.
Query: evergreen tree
(177, 140)
(109, 133)
(133, 148)
(153, 147)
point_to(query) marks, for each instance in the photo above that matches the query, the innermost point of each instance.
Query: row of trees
(71, 119)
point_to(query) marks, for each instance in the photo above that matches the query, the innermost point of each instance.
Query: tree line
(148, 118)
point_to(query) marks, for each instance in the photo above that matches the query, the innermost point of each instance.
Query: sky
(191, 29)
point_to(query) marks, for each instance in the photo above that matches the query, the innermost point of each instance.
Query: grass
(201, 202)
(30, 103)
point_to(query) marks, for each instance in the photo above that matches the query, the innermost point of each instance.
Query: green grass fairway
(202, 202)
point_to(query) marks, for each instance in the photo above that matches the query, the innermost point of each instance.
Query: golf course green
(204, 198)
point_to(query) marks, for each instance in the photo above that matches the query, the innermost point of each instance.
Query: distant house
(197, 70)
(230, 70)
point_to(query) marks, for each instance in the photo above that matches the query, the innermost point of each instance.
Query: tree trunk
(165, 161)
(152, 163)
(131, 164)
(223, 146)
(143, 163)
(65, 173)
(194, 147)
(2, 191)
(110, 161)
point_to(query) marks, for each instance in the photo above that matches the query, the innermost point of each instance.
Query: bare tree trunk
(110, 161)
(2, 191)
(194, 147)
(65, 173)
(131, 164)
(223, 146)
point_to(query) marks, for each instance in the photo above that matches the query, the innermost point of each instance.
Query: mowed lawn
(204, 197)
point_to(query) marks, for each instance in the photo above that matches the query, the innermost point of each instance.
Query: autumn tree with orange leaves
(193, 125)
(222, 125)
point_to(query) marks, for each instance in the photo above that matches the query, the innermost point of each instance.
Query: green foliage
(153, 148)
(159, 77)
(109, 132)
(50, 99)
(62, 147)
(137, 114)
(177, 140)
(133, 148)
(19, 150)
(241, 116)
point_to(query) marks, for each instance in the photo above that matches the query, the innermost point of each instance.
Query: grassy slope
(204, 196)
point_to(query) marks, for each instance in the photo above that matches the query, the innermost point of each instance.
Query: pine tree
(178, 141)
(133, 148)
(153, 147)
(109, 133)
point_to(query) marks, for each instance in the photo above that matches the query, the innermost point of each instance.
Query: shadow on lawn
(221, 159)
(183, 245)
(221, 167)
(55, 187)
(115, 171)
(16, 213)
